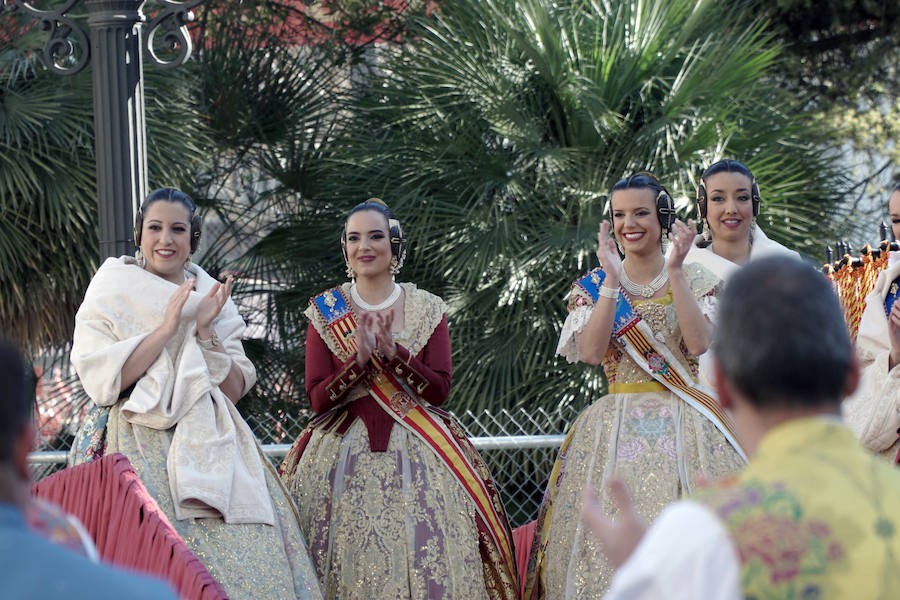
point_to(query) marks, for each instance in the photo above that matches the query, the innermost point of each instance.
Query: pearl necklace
(647, 290)
(366, 306)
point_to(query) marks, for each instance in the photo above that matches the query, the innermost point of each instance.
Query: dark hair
(727, 166)
(896, 187)
(780, 335)
(395, 230)
(15, 402)
(665, 206)
(169, 195)
(375, 204)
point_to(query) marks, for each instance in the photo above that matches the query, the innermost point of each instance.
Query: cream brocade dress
(251, 560)
(640, 432)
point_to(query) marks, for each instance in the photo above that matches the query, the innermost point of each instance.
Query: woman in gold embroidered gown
(157, 347)
(652, 433)
(395, 501)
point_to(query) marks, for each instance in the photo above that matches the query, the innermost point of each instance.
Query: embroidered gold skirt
(657, 444)
(389, 525)
(251, 561)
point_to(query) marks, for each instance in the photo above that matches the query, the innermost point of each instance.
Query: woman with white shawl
(873, 412)
(728, 202)
(157, 347)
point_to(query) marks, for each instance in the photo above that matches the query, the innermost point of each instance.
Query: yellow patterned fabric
(653, 440)
(813, 516)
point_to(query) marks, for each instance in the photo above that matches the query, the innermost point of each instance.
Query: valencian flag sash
(891, 297)
(399, 401)
(637, 339)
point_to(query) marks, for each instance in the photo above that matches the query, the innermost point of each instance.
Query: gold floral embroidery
(423, 312)
(249, 560)
(386, 532)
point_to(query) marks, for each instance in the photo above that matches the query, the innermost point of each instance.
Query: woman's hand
(683, 237)
(149, 349)
(365, 338)
(172, 317)
(211, 305)
(608, 254)
(384, 336)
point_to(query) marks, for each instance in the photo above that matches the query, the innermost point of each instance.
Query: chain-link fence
(520, 462)
(520, 470)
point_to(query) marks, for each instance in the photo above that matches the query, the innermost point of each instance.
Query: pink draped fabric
(523, 537)
(128, 527)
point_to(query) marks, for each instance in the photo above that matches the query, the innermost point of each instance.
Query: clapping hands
(607, 253)
(211, 304)
(682, 238)
(208, 308)
(374, 333)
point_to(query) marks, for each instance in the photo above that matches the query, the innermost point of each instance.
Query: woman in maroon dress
(395, 501)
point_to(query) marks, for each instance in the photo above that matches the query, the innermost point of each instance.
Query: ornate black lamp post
(115, 40)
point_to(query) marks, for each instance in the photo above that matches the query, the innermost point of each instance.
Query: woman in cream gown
(157, 347)
(873, 412)
(728, 201)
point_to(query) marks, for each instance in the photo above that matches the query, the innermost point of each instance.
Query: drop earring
(139, 258)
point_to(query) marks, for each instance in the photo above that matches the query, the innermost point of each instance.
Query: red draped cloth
(128, 527)
(523, 537)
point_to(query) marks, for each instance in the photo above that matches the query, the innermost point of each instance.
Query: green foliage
(495, 131)
(842, 56)
(48, 233)
(841, 50)
(496, 134)
(272, 107)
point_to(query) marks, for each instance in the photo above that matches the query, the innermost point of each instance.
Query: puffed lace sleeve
(580, 305)
(705, 286)
(873, 411)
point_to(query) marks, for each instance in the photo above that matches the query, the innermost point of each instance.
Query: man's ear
(853, 377)
(22, 446)
(721, 385)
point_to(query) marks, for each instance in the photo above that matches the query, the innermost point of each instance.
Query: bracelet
(606, 292)
(212, 342)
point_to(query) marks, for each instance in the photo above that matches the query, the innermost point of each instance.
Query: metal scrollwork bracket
(68, 49)
(172, 20)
